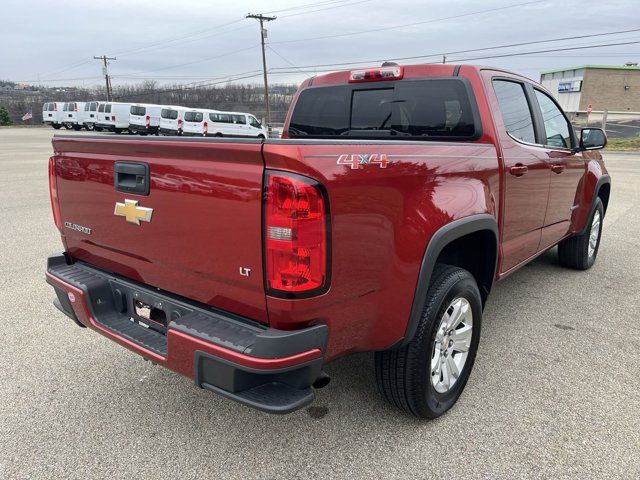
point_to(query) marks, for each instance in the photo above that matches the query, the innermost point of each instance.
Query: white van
(235, 124)
(172, 120)
(144, 118)
(113, 116)
(70, 115)
(88, 116)
(196, 122)
(52, 114)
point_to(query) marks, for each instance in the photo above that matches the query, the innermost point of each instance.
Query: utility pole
(105, 72)
(263, 34)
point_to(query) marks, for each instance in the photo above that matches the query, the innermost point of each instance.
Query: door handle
(557, 168)
(131, 177)
(518, 170)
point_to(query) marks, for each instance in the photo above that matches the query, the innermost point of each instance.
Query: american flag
(27, 116)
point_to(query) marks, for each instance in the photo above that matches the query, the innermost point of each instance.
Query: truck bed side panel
(381, 222)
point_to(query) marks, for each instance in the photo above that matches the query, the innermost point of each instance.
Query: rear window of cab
(424, 109)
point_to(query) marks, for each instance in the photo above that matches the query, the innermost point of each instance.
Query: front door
(567, 169)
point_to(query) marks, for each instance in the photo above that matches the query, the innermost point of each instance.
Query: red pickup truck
(379, 223)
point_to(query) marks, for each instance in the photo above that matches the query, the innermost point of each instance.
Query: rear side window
(87, 107)
(193, 116)
(169, 114)
(438, 108)
(137, 110)
(101, 108)
(107, 108)
(555, 124)
(93, 106)
(516, 114)
(239, 119)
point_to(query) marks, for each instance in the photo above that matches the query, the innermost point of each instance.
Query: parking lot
(555, 391)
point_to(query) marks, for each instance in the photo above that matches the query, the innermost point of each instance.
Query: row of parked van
(151, 119)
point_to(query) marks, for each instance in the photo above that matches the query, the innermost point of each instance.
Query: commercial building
(605, 87)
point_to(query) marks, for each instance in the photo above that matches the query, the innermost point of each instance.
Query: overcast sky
(206, 40)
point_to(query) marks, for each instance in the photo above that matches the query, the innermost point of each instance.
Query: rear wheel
(426, 377)
(580, 251)
(67, 126)
(90, 127)
(56, 126)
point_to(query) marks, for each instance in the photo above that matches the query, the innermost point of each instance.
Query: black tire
(90, 127)
(574, 251)
(56, 126)
(404, 375)
(117, 130)
(77, 128)
(67, 126)
(261, 137)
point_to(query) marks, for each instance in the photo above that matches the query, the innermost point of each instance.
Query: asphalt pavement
(555, 391)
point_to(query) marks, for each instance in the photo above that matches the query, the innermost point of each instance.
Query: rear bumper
(271, 370)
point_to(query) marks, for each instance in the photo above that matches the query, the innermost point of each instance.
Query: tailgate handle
(131, 177)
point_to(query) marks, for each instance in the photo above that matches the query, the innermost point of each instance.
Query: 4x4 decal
(357, 160)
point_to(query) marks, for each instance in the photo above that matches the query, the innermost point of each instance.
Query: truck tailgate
(203, 240)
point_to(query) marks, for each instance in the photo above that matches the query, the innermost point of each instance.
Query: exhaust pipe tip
(322, 380)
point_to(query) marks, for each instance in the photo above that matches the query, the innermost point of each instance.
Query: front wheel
(580, 251)
(56, 126)
(426, 377)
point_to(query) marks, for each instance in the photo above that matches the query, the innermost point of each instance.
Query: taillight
(376, 74)
(296, 229)
(55, 107)
(75, 107)
(205, 129)
(179, 124)
(148, 119)
(53, 193)
(113, 118)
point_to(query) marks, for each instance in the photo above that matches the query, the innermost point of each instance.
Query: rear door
(198, 231)
(526, 174)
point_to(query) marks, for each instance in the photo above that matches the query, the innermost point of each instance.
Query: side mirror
(592, 139)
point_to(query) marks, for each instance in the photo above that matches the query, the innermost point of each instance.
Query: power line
(196, 61)
(318, 4)
(327, 8)
(181, 37)
(447, 53)
(380, 29)
(504, 55)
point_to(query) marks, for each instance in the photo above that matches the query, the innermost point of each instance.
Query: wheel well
(603, 193)
(475, 252)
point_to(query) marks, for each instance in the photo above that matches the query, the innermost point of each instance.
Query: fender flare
(445, 235)
(604, 179)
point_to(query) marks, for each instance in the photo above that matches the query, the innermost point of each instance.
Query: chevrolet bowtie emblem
(132, 212)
